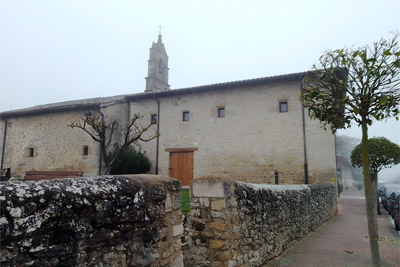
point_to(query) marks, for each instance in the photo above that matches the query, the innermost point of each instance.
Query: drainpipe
(101, 152)
(304, 140)
(4, 143)
(158, 131)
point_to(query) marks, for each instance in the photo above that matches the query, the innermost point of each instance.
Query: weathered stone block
(177, 201)
(218, 205)
(219, 226)
(177, 262)
(158, 193)
(219, 264)
(223, 235)
(203, 188)
(221, 256)
(207, 233)
(216, 244)
(205, 202)
(174, 185)
(177, 230)
(168, 203)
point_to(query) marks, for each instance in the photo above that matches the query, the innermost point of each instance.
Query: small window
(31, 152)
(221, 112)
(153, 119)
(283, 107)
(85, 150)
(185, 116)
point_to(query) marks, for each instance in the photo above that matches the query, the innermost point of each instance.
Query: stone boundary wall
(120, 221)
(240, 224)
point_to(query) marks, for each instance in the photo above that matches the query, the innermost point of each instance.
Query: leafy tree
(103, 133)
(358, 86)
(382, 154)
(130, 161)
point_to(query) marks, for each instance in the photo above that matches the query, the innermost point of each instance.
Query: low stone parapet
(132, 220)
(240, 224)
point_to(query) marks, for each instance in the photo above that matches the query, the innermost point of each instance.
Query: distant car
(396, 214)
(391, 201)
(387, 191)
(380, 190)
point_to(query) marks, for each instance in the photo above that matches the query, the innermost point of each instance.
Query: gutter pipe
(304, 140)
(158, 132)
(4, 143)
(101, 152)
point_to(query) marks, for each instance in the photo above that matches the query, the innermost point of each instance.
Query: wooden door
(181, 166)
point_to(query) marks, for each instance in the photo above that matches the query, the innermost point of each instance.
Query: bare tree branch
(103, 133)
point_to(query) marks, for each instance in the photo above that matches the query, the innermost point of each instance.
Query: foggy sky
(53, 51)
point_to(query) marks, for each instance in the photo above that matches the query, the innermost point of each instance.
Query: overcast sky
(53, 51)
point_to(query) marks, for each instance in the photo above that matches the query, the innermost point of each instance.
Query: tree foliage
(357, 86)
(131, 161)
(103, 132)
(382, 154)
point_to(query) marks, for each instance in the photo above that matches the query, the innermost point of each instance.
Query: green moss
(185, 200)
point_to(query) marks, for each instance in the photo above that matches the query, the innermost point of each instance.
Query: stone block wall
(264, 139)
(240, 224)
(132, 220)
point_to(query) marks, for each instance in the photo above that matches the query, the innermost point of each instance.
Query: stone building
(345, 172)
(247, 129)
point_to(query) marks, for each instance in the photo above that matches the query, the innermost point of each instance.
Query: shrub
(130, 162)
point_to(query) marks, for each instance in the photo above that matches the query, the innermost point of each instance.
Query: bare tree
(103, 133)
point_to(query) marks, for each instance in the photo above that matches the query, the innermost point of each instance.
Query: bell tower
(157, 78)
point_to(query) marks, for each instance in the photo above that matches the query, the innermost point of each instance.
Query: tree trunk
(375, 183)
(370, 200)
(106, 170)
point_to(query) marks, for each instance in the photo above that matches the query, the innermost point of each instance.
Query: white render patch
(30, 223)
(16, 212)
(20, 192)
(3, 221)
(36, 249)
(75, 190)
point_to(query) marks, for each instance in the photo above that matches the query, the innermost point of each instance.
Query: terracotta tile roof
(90, 102)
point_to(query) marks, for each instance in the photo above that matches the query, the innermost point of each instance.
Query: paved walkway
(343, 240)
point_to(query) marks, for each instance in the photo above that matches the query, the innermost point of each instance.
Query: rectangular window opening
(153, 119)
(85, 150)
(31, 152)
(185, 116)
(221, 112)
(283, 106)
